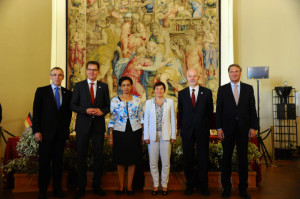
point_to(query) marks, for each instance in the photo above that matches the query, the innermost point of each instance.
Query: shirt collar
(196, 88)
(53, 86)
(232, 84)
(89, 81)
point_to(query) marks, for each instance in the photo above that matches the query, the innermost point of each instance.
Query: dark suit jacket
(195, 119)
(47, 119)
(228, 112)
(81, 100)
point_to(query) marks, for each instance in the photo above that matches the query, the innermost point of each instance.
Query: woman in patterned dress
(125, 127)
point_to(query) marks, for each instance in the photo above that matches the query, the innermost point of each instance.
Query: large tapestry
(147, 40)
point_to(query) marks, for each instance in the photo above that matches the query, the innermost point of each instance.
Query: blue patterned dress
(127, 147)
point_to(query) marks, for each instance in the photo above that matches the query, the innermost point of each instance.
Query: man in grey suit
(91, 102)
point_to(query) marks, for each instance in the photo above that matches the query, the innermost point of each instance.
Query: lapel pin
(201, 93)
(99, 87)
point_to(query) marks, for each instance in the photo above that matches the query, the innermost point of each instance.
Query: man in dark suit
(195, 108)
(236, 121)
(51, 121)
(91, 102)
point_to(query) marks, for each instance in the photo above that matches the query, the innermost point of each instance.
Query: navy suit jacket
(81, 101)
(243, 114)
(195, 119)
(47, 119)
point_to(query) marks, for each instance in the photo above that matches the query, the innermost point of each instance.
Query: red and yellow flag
(28, 121)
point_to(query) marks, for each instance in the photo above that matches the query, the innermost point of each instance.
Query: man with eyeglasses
(91, 102)
(51, 121)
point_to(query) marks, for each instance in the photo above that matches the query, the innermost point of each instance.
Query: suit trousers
(188, 146)
(241, 140)
(160, 148)
(83, 141)
(51, 163)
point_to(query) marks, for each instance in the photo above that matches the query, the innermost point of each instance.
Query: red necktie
(92, 93)
(193, 98)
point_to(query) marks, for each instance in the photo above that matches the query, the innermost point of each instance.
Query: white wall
(25, 49)
(267, 33)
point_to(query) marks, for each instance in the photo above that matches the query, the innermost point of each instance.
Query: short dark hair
(93, 62)
(159, 84)
(56, 68)
(235, 65)
(122, 79)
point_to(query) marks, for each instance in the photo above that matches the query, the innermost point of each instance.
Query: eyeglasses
(55, 75)
(93, 70)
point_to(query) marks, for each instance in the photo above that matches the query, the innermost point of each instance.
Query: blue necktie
(57, 97)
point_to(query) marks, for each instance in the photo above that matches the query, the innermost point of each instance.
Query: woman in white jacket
(159, 133)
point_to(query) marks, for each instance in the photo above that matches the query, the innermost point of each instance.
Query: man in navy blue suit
(236, 122)
(51, 121)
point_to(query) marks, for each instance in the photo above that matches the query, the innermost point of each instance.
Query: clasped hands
(147, 141)
(94, 112)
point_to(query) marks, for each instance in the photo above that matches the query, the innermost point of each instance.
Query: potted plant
(27, 165)
(24, 168)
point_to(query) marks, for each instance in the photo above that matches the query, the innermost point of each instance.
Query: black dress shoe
(130, 193)
(99, 192)
(205, 192)
(164, 193)
(59, 194)
(118, 192)
(79, 194)
(189, 191)
(226, 194)
(245, 194)
(42, 196)
(154, 193)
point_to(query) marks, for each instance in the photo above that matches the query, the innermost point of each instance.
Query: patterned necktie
(236, 94)
(92, 93)
(193, 98)
(57, 97)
